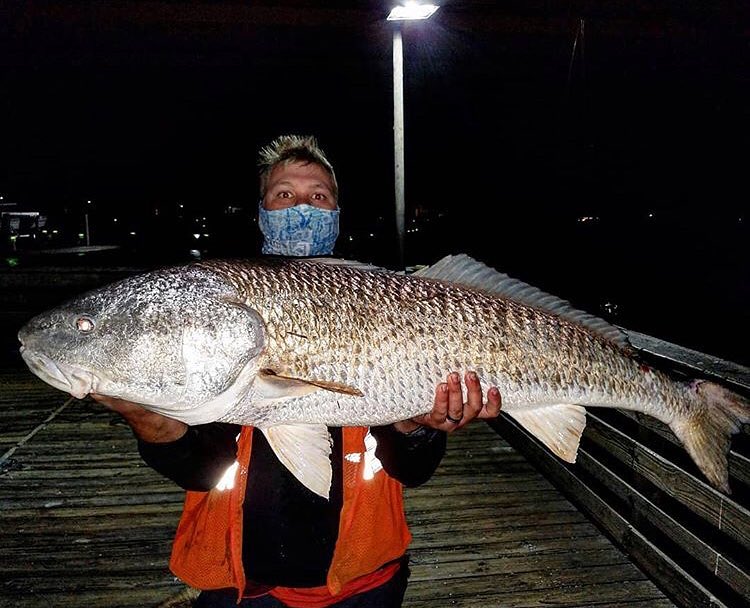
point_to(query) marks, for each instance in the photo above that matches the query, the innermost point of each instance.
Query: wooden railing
(635, 481)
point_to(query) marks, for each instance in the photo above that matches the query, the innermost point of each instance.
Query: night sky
(511, 136)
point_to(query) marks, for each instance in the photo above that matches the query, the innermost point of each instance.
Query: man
(249, 529)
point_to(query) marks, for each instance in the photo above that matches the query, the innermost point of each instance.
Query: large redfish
(293, 346)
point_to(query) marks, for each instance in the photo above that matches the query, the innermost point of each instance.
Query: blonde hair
(290, 149)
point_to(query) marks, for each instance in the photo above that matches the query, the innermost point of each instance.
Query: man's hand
(148, 426)
(449, 411)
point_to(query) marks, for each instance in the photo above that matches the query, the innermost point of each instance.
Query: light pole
(86, 223)
(406, 12)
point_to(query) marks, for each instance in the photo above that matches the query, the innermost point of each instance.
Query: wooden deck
(490, 531)
(85, 523)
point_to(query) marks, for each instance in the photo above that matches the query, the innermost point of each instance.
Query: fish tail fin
(706, 432)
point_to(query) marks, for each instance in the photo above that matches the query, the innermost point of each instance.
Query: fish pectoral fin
(558, 426)
(277, 386)
(304, 449)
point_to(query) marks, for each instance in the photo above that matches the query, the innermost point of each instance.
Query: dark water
(682, 278)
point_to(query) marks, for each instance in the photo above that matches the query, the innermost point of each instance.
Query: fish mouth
(74, 380)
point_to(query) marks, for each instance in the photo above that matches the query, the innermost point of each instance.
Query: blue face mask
(300, 230)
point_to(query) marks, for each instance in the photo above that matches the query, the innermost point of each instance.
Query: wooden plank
(682, 586)
(133, 597)
(642, 509)
(86, 526)
(738, 458)
(683, 358)
(525, 536)
(520, 591)
(509, 542)
(710, 504)
(480, 601)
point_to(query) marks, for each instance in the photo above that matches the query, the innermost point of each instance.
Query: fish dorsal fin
(464, 270)
(557, 426)
(278, 386)
(356, 265)
(304, 449)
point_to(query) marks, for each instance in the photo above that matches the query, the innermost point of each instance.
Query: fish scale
(293, 346)
(431, 327)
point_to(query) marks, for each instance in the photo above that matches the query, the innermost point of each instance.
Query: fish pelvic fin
(304, 449)
(277, 386)
(558, 426)
(706, 432)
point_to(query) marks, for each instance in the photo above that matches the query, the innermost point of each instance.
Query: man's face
(299, 183)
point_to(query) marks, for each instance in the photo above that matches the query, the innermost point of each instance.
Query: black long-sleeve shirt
(289, 532)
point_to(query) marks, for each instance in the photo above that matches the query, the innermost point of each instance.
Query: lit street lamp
(406, 12)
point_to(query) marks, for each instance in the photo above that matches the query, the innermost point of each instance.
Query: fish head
(173, 339)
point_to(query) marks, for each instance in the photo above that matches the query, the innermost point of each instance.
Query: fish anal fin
(304, 449)
(279, 386)
(558, 426)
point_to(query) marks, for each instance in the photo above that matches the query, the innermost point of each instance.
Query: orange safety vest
(207, 550)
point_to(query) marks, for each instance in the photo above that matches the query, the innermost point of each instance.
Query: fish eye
(85, 325)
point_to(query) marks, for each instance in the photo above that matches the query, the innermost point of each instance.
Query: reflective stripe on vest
(207, 550)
